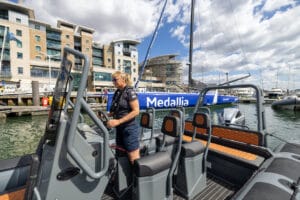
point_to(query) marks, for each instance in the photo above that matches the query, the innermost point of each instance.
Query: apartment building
(34, 53)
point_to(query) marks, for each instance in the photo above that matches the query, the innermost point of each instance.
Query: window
(37, 27)
(20, 70)
(38, 58)
(36, 71)
(19, 44)
(102, 76)
(38, 48)
(134, 63)
(87, 41)
(67, 36)
(19, 55)
(87, 49)
(109, 60)
(4, 14)
(18, 20)
(19, 32)
(37, 38)
(119, 61)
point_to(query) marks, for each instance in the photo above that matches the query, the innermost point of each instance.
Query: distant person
(124, 109)
(105, 92)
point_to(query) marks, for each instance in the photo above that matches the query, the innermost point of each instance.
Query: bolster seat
(289, 147)
(277, 180)
(168, 140)
(152, 164)
(286, 167)
(192, 149)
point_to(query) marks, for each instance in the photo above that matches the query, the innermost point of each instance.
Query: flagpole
(2, 50)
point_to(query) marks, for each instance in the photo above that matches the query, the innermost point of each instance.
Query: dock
(14, 111)
(253, 100)
(25, 99)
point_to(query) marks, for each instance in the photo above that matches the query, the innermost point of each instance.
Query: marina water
(20, 135)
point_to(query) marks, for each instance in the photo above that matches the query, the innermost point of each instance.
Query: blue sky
(260, 37)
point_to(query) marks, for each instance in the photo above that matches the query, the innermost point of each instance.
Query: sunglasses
(115, 79)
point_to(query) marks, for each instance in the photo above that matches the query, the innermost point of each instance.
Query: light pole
(2, 50)
(49, 57)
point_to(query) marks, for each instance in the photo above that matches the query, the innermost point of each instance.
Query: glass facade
(5, 69)
(52, 35)
(97, 57)
(54, 44)
(102, 76)
(37, 71)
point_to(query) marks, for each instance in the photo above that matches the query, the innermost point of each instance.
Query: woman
(124, 109)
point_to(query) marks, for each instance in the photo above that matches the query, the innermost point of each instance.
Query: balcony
(6, 46)
(2, 32)
(126, 52)
(53, 37)
(77, 44)
(97, 54)
(54, 46)
(98, 62)
(6, 57)
(77, 68)
(78, 61)
(5, 74)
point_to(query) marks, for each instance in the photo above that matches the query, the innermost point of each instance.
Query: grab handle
(82, 105)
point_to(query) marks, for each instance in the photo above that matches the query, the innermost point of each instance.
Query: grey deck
(216, 190)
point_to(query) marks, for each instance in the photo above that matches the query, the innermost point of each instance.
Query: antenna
(191, 43)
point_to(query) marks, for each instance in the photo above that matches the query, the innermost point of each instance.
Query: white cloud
(247, 36)
(257, 36)
(113, 19)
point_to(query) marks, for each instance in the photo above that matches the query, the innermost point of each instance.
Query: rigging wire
(151, 44)
(228, 42)
(239, 35)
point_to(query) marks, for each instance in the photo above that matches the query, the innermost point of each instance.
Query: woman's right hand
(113, 123)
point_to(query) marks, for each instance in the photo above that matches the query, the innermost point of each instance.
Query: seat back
(147, 143)
(190, 179)
(202, 120)
(165, 142)
(153, 173)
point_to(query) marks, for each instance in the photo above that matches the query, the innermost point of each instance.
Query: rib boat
(185, 159)
(287, 103)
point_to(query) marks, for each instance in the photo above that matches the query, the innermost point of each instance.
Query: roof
(128, 41)
(6, 5)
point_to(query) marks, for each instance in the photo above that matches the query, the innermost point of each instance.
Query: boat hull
(292, 103)
(160, 100)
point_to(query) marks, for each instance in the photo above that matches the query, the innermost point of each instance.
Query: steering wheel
(104, 118)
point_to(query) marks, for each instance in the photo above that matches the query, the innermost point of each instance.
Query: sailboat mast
(190, 80)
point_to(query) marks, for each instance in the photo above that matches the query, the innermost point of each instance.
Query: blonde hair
(126, 77)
